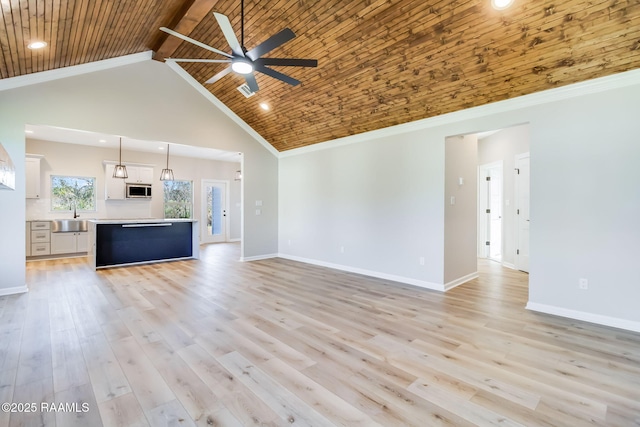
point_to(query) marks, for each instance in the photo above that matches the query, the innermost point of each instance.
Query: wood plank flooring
(217, 342)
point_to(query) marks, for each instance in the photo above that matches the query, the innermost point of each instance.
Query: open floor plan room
(276, 342)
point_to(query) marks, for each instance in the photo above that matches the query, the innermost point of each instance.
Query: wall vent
(246, 91)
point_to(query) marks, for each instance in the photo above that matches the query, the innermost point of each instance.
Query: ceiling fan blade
(288, 62)
(195, 42)
(218, 76)
(227, 30)
(271, 43)
(276, 74)
(251, 82)
(198, 60)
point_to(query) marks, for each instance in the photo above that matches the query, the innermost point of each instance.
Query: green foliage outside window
(68, 192)
(178, 199)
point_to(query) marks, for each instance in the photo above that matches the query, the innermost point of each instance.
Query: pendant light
(166, 174)
(120, 171)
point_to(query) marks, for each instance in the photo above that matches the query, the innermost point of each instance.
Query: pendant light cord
(167, 156)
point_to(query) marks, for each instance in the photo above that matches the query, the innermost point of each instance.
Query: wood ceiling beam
(184, 22)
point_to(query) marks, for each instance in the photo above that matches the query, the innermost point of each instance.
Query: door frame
(203, 203)
(483, 204)
(517, 261)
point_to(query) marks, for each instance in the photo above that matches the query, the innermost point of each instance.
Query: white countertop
(140, 221)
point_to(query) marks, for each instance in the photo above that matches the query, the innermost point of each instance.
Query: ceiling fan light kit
(501, 4)
(243, 61)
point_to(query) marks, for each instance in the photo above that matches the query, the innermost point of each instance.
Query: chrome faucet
(75, 215)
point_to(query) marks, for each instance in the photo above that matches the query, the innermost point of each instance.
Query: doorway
(215, 221)
(490, 193)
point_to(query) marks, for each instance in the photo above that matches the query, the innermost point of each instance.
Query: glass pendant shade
(166, 174)
(120, 171)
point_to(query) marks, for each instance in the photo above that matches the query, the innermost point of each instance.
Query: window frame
(94, 200)
(191, 202)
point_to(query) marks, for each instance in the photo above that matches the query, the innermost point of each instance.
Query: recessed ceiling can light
(501, 4)
(102, 140)
(37, 45)
(28, 131)
(264, 106)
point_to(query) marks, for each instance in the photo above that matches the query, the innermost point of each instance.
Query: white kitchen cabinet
(28, 238)
(33, 176)
(139, 174)
(69, 243)
(114, 187)
(40, 238)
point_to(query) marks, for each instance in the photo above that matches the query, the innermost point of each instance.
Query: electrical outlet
(421, 260)
(341, 249)
(583, 283)
(289, 242)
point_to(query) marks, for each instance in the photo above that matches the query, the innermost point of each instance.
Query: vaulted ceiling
(381, 62)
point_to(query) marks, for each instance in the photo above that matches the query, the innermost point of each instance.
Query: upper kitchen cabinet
(139, 174)
(114, 187)
(33, 176)
(7, 171)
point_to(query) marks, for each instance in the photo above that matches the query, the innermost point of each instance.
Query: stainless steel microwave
(138, 191)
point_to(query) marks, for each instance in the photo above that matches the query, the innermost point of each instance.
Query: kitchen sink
(69, 225)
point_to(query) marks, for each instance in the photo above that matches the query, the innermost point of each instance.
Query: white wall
(146, 101)
(383, 197)
(460, 218)
(503, 146)
(381, 201)
(81, 160)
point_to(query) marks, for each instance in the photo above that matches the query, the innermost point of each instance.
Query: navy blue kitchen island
(128, 242)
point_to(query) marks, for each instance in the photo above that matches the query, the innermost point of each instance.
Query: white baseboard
(233, 240)
(459, 281)
(258, 257)
(599, 319)
(13, 291)
(377, 274)
(509, 265)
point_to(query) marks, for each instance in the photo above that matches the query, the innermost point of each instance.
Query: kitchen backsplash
(133, 209)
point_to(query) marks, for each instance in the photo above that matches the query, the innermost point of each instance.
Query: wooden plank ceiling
(381, 62)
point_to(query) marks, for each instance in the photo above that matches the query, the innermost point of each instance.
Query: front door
(214, 221)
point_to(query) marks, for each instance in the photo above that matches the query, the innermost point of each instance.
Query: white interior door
(214, 219)
(522, 211)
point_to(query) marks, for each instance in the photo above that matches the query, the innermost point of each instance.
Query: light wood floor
(275, 342)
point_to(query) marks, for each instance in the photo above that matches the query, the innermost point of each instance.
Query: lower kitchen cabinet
(69, 243)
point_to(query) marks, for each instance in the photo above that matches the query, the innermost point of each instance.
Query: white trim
(74, 70)
(258, 257)
(226, 110)
(377, 274)
(516, 187)
(508, 265)
(13, 291)
(459, 281)
(234, 240)
(227, 218)
(599, 319)
(602, 84)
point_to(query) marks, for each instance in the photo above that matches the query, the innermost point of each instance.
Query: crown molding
(74, 70)
(601, 84)
(221, 106)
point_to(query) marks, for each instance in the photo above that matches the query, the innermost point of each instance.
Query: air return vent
(246, 91)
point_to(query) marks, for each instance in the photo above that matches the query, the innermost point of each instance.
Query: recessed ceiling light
(28, 131)
(102, 140)
(264, 106)
(37, 45)
(501, 4)
(160, 148)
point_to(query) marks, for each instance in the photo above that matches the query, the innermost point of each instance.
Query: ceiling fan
(243, 61)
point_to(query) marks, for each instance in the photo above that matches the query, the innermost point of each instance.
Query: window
(73, 192)
(178, 199)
